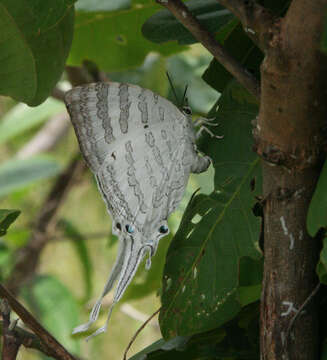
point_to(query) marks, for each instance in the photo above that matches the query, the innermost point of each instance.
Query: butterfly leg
(204, 128)
(202, 120)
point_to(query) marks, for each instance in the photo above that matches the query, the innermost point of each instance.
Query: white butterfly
(141, 149)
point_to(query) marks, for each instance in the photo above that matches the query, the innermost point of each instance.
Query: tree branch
(11, 344)
(28, 339)
(257, 21)
(58, 94)
(138, 331)
(289, 135)
(181, 12)
(47, 137)
(54, 347)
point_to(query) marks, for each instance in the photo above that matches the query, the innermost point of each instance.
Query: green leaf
(163, 26)
(7, 217)
(151, 75)
(123, 46)
(237, 339)
(162, 349)
(52, 303)
(79, 243)
(240, 47)
(17, 174)
(6, 261)
(22, 117)
(317, 214)
(322, 264)
(202, 276)
(184, 71)
(35, 40)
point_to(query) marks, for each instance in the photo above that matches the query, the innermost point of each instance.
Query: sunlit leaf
(126, 47)
(17, 174)
(22, 117)
(52, 303)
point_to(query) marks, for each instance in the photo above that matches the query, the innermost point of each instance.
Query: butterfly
(141, 150)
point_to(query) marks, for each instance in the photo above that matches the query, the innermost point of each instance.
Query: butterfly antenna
(184, 100)
(172, 86)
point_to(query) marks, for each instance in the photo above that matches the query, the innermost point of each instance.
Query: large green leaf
(54, 305)
(203, 286)
(17, 174)
(237, 339)
(35, 37)
(163, 26)
(113, 39)
(7, 217)
(317, 214)
(22, 117)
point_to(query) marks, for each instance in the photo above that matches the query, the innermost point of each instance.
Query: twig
(47, 137)
(11, 344)
(138, 331)
(28, 256)
(57, 350)
(306, 302)
(256, 19)
(28, 339)
(87, 73)
(181, 12)
(58, 94)
(130, 311)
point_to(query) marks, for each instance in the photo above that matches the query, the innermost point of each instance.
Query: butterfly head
(144, 236)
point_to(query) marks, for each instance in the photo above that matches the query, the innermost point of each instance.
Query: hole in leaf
(196, 218)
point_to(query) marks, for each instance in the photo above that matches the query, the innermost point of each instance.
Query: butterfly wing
(116, 126)
(140, 149)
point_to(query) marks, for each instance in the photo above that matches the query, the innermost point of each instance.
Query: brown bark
(288, 134)
(12, 342)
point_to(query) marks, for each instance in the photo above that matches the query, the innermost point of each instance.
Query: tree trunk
(288, 138)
